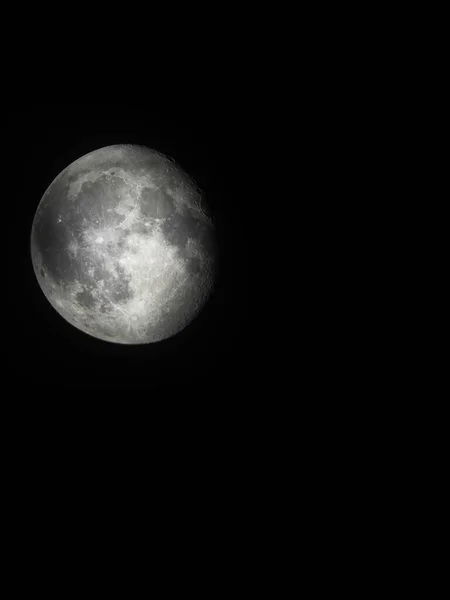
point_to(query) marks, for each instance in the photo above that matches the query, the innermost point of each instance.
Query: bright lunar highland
(123, 246)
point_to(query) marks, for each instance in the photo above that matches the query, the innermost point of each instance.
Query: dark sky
(42, 350)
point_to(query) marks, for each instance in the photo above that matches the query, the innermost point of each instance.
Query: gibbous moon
(123, 247)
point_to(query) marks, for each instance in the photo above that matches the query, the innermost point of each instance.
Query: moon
(123, 245)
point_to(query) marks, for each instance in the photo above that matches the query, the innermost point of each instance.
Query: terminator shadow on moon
(123, 247)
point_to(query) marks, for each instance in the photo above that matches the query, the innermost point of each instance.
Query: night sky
(214, 353)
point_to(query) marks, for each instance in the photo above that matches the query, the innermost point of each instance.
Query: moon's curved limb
(136, 253)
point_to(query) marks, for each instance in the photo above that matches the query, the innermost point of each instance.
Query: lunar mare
(122, 245)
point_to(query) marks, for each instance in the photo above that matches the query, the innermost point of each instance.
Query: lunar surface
(123, 246)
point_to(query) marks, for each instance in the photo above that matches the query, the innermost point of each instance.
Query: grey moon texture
(123, 246)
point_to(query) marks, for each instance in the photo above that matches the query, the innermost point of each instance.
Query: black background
(213, 145)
